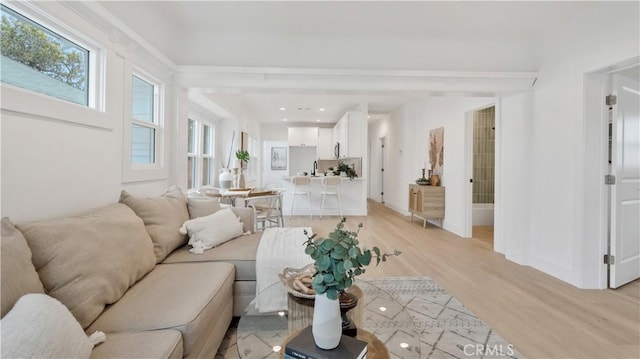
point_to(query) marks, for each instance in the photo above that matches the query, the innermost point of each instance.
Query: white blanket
(279, 248)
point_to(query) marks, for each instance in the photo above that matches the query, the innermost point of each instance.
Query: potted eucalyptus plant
(338, 260)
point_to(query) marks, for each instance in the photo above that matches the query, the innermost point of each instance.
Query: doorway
(623, 177)
(482, 128)
(611, 234)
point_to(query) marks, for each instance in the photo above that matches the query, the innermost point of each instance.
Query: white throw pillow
(39, 326)
(212, 230)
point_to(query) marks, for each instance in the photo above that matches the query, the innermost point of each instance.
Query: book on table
(302, 346)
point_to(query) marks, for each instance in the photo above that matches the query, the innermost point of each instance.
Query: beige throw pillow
(200, 207)
(89, 261)
(162, 216)
(19, 276)
(41, 327)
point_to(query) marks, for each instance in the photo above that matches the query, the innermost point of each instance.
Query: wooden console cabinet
(426, 202)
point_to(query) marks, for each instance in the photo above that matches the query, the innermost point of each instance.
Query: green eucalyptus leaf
(348, 283)
(332, 293)
(347, 264)
(323, 262)
(318, 279)
(309, 250)
(376, 250)
(328, 277)
(327, 244)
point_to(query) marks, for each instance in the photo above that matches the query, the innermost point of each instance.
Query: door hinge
(609, 259)
(470, 180)
(611, 100)
(609, 179)
(382, 193)
(382, 169)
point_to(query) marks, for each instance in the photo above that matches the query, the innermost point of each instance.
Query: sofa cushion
(241, 252)
(162, 216)
(201, 207)
(193, 298)
(246, 217)
(156, 344)
(89, 261)
(19, 276)
(39, 326)
(212, 230)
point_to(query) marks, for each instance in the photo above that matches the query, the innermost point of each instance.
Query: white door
(625, 193)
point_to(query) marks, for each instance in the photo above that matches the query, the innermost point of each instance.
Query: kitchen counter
(313, 178)
(352, 192)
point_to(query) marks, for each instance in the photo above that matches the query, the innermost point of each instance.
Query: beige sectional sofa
(126, 270)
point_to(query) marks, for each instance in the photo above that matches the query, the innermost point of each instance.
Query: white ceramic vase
(327, 323)
(225, 178)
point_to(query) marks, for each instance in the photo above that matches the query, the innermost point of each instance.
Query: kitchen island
(352, 192)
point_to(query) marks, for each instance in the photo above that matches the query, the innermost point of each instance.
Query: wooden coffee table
(380, 318)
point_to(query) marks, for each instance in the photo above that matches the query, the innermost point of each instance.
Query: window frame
(134, 172)
(199, 156)
(193, 155)
(20, 100)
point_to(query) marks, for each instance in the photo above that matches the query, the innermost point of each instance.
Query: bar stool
(331, 187)
(301, 187)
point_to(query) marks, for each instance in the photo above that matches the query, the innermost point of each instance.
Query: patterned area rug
(446, 327)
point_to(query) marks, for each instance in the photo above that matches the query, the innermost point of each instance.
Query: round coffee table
(275, 316)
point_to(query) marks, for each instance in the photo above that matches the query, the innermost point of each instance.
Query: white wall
(407, 132)
(559, 244)
(52, 168)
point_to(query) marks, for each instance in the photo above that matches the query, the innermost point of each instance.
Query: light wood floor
(542, 316)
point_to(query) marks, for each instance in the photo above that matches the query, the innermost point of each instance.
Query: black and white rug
(446, 327)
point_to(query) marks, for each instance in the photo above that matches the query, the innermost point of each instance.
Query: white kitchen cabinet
(303, 136)
(325, 143)
(347, 132)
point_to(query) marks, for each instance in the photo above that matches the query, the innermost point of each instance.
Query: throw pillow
(162, 215)
(88, 262)
(200, 207)
(39, 326)
(212, 230)
(19, 276)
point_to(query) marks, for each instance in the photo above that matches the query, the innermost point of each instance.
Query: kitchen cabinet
(303, 136)
(426, 202)
(347, 132)
(325, 143)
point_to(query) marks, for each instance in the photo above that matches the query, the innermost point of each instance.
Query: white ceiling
(381, 36)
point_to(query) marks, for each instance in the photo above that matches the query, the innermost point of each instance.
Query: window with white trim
(145, 122)
(207, 154)
(200, 155)
(39, 56)
(192, 153)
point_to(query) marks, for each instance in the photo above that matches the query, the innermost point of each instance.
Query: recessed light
(404, 345)
(284, 119)
(282, 108)
(322, 109)
(368, 116)
(383, 309)
(276, 348)
(318, 120)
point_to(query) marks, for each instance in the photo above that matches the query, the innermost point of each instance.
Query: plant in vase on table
(242, 157)
(338, 260)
